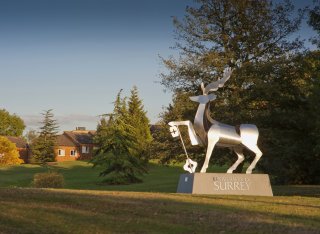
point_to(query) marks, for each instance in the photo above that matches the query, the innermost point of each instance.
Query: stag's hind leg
(239, 152)
(249, 136)
(258, 153)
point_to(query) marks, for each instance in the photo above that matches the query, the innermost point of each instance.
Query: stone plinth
(225, 184)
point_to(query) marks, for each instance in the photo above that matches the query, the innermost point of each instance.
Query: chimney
(80, 128)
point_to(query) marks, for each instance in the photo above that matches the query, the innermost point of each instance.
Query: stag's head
(213, 86)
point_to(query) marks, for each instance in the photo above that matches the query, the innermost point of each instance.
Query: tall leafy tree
(137, 118)
(271, 88)
(9, 154)
(287, 119)
(314, 22)
(117, 147)
(314, 68)
(217, 33)
(10, 124)
(164, 147)
(43, 146)
(31, 135)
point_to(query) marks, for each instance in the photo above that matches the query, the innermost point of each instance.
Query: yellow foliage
(9, 154)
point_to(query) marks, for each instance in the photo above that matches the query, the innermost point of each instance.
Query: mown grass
(78, 211)
(153, 207)
(81, 175)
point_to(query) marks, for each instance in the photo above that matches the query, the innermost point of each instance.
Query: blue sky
(73, 56)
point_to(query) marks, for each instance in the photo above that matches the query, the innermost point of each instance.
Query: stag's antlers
(214, 86)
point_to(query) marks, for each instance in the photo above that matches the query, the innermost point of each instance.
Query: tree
(164, 147)
(10, 125)
(9, 154)
(271, 88)
(218, 33)
(314, 58)
(137, 118)
(314, 22)
(117, 147)
(43, 146)
(31, 135)
(101, 135)
(287, 121)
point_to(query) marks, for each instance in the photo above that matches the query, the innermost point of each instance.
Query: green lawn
(148, 207)
(87, 211)
(81, 175)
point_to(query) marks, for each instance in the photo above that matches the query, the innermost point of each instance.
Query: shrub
(48, 180)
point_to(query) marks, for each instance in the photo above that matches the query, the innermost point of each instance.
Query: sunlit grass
(81, 175)
(79, 211)
(148, 207)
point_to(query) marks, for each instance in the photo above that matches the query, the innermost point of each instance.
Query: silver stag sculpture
(209, 132)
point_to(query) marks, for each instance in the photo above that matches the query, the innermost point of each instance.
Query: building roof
(20, 142)
(80, 137)
(63, 140)
(154, 128)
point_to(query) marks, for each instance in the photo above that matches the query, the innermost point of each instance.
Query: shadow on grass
(85, 211)
(259, 200)
(297, 190)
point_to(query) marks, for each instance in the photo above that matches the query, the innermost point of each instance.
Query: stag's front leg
(195, 140)
(213, 138)
(258, 153)
(239, 152)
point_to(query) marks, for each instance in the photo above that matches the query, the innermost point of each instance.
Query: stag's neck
(201, 122)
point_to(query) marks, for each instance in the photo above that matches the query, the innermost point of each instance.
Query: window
(85, 149)
(61, 152)
(73, 152)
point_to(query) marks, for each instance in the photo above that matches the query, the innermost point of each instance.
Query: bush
(48, 180)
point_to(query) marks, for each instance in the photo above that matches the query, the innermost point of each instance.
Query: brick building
(74, 145)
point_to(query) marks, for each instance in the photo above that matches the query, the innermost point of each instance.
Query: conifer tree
(43, 146)
(101, 135)
(117, 147)
(140, 122)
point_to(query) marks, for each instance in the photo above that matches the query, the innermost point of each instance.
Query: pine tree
(117, 147)
(101, 135)
(43, 146)
(139, 121)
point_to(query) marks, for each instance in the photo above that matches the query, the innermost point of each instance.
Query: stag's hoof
(203, 170)
(249, 171)
(230, 171)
